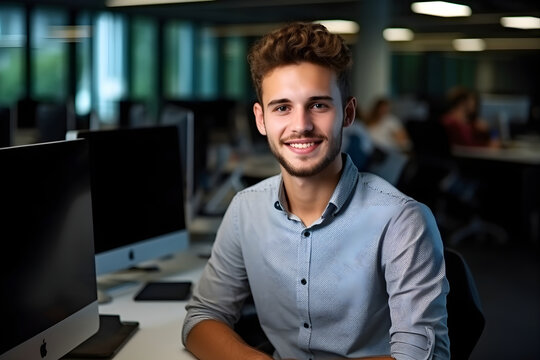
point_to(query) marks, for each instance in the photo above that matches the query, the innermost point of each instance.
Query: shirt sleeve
(223, 286)
(414, 269)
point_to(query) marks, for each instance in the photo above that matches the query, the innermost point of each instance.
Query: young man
(340, 264)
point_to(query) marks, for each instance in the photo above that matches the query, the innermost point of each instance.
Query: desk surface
(160, 322)
(520, 152)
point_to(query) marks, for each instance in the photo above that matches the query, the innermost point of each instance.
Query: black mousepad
(164, 291)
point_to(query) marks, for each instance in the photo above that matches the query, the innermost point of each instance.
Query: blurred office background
(93, 64)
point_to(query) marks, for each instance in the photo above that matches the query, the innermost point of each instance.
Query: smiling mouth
(301, 145)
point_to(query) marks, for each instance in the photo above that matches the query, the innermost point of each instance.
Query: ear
(349, 112)
(259, 118)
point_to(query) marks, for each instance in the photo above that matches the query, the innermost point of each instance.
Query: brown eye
(281, 108)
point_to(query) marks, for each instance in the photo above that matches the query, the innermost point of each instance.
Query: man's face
(302, 116)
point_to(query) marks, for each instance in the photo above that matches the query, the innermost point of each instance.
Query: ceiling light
(469, 44)
(398, 34)
(117, 3)
(521, 22)
(340, 26)
(440, 8)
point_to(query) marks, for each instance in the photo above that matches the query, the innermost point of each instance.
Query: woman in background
(385, 128)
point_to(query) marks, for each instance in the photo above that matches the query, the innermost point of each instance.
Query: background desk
(512, 177)
(160, 322)
(516, 153)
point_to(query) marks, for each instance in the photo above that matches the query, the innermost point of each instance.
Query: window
(83, 73)
(143, 59)
(179, 60)
(235, 67)
(12, 60)
(109, 65)
(208, 58)
(48, 54)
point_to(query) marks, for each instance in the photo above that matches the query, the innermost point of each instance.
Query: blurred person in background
(386, 130)
(461, 121)
(357, 142)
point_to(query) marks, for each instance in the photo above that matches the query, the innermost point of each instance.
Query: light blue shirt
(367, 278)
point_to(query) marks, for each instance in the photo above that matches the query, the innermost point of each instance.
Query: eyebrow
(313, 98)
(277, 101)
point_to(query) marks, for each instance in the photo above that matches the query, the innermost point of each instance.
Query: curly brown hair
(301, 42)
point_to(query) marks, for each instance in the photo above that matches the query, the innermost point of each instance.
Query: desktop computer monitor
(182, 118)
(137, 195)
(505, 112)
(49, 303)
(214, 122)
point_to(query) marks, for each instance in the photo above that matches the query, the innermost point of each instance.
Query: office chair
(249, 328)
(51, 120)
(435, 178)
(466, 319)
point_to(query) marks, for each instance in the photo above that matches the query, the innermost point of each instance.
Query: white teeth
(302, 146)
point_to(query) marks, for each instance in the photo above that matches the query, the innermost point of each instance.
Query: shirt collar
(341, 194)
(344, 188)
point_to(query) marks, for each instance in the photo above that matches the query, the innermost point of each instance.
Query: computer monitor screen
(505, 112)
(137, 195)
(183, 119)
(49, 302)
(214, 123)
(133, 113)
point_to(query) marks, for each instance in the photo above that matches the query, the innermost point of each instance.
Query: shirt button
(306, 233)
(277, 206)
(306, 325)
(303, 281)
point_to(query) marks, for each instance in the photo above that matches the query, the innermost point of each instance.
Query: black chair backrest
(6, 127)
(428, 138)
(465, 315)
(51, 120)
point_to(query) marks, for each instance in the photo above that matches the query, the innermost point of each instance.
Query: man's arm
(413, 254)
(212, 339)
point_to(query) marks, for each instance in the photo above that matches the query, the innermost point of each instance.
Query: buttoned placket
(304, 260)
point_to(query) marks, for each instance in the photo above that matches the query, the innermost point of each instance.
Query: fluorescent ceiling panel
(441, 8)
(469, 44)
(117, 3)
(398, 34)
(521, 22)
(340, 26)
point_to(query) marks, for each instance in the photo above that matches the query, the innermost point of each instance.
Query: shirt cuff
(413, 346)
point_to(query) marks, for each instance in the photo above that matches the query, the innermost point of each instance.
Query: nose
(301, 121)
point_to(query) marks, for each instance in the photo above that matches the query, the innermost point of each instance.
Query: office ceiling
(484, 21)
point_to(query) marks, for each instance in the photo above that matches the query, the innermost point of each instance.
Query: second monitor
(137, 195)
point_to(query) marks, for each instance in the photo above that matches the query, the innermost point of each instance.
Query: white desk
(160, 322)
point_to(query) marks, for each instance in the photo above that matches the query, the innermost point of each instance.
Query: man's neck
(307, 197)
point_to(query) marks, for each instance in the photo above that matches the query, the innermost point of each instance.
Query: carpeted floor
(508, 281)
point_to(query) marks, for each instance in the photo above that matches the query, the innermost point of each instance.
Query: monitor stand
(103, 297)
(110, 338)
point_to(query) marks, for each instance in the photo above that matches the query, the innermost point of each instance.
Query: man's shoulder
(375, 188)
